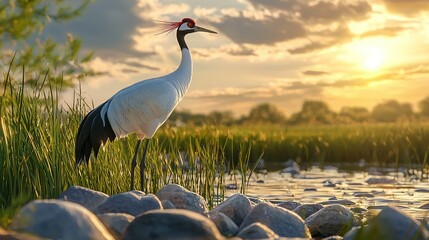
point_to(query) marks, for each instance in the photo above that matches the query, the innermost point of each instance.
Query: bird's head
(187, 25)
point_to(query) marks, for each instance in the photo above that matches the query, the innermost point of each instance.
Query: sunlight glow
(374, 60)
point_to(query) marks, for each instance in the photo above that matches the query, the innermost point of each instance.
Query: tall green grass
(37, 151)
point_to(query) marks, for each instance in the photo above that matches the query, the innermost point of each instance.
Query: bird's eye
(190, 25)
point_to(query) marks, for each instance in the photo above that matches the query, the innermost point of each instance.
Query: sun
(373, 60)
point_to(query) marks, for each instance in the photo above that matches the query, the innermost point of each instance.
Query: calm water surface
(310, 186)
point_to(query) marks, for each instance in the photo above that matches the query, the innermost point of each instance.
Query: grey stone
(57, 219)
(283, 222)
(224, 224)
(381, 180)
(344, 202)
(257, 231)
(289, 205)
(305, 210)
(167, 205)
(83, 196)
(391, 223)
(363, 194)
(235, 207)
(116, 223)
(11, 235)
(129, 202)
(171, 224)
(331, 220)
(182, 198)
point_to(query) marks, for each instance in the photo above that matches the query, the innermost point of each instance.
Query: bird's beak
(201, 29)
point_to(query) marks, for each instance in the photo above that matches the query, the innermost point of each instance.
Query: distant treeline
(312, 112)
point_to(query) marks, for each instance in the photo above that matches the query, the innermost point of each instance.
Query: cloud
(407, 7)
(314, 73)
(315, 25)
(271, 30)
(386, 31)
(106, 26)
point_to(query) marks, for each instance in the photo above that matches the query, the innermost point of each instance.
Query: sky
(346, 53)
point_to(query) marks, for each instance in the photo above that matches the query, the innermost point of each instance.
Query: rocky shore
(177, 213)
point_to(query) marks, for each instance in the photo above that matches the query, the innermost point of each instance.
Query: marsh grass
(37, 149)
(37, 152)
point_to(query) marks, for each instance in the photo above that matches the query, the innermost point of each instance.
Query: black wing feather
(91, 134)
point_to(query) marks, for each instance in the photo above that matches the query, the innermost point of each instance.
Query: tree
(220, 118)
(21, 22)
(424, 107)
(392, 111)
(354, 114)
(313, 112)
(265, 113)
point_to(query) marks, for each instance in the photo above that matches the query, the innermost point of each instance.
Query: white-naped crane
(140, 108)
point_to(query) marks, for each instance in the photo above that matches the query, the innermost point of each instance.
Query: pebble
(171, 224)
(363, 194)
(391, 223)
(116, 222)
(381, 180)
(86, 197)
(224, 224)
(338, 201)
(306, 210)
(257, 231)
(235, 207)
(283, 222)
(57, 219)
(331, 220)
(133, 203)
(289, 205)
(182, 198)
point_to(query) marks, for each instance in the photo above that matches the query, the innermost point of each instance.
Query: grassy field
(37, 150)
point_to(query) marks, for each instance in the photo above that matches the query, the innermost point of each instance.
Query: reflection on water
(315, 185)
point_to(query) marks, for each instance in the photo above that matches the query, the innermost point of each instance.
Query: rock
(182, 198)
(224, 224)
(231, 186)
(57, 219)
(289, 205)
(310, 190)
(83, 196)
(305, 210)
(344, 202)
(283, 222)
(391, 223)
(363, 194)
(10, 235)
(291, 170)
(129, 202)
(328, 183)
(331, 220)
(167, 205)
(116, 223)
(257, 231)
(260, 181)
(235, 207)
(358, 209)
(381, 180)
(335, 237)
(171, 224)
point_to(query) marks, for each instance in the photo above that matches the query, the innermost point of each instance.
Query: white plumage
(143, 107)
(140, 108)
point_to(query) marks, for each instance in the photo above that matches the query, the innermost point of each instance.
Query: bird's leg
(134, 163)
(143, 164)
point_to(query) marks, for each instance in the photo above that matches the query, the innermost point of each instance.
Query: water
(310, 186)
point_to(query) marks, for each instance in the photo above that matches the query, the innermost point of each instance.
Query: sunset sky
(347, 53)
